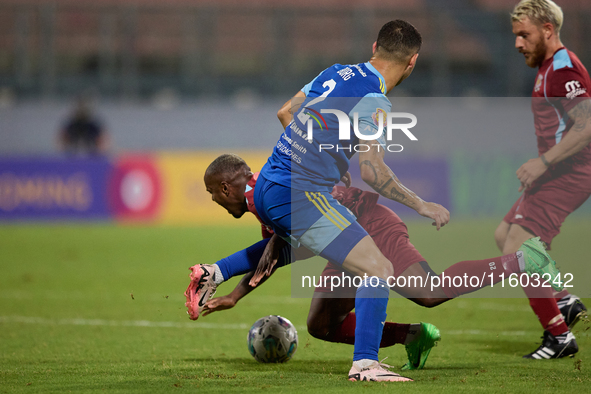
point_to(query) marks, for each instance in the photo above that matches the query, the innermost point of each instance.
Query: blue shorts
(312, 219)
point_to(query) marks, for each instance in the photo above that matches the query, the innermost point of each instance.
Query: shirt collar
(377, 73)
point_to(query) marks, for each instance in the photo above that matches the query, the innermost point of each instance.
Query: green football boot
(418, 350)
(538, 261)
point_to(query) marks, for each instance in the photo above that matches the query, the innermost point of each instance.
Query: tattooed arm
(380, 177)
(578, 137)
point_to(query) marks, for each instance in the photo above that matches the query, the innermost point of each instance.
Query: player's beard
(537, 56)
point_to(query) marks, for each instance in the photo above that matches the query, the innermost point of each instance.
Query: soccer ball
(272, 339)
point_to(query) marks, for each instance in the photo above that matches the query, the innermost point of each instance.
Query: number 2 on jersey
(330, 84)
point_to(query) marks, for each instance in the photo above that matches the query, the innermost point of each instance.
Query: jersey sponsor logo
(360, 70)
(539, 83)
(574, 89)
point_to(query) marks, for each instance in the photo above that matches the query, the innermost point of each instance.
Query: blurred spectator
(83, 133)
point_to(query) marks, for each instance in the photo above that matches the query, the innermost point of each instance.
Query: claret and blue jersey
(299, 162)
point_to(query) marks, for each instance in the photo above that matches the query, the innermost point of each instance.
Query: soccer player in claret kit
(558, 181)
(292, 192)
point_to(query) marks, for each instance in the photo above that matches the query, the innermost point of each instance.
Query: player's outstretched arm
(578, 137)
(285, 113)
(380, 177)
(268, 259)
(229, 301)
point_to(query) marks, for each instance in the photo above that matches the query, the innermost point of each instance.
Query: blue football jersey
(318, 163)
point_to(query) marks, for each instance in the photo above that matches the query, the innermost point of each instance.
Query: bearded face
(535, 58)
(529, 40)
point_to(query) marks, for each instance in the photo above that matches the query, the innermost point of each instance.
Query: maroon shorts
(543, 207)
(390, 235)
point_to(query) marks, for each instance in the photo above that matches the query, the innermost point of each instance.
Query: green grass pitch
(99, 308)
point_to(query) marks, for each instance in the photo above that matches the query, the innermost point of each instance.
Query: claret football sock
(392, 334)
(541, 300)
(489, 271)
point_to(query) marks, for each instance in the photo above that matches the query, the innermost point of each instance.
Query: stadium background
(176, 83)
(201, 76)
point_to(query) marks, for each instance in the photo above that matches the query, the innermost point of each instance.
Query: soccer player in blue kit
(293, 197)
(292, 194)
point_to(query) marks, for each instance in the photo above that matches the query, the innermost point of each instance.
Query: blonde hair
(539, 11)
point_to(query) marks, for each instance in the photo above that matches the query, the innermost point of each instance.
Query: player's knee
(427, 302)
(317, 327)
(501, 236)
(382, 268)
(387, 270)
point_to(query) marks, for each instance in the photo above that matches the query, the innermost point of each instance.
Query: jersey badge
(539, 83)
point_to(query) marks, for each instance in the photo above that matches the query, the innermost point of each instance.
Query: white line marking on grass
(73, 294)
(119, 323)
(483, 332)
(213, 326)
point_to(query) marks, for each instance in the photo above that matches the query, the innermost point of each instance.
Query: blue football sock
(370, 309)
(247, 260)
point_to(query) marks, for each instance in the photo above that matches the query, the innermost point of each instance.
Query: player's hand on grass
(219, 304)
(529, 172)
(346, 179)
(268, 260)
(434, 211)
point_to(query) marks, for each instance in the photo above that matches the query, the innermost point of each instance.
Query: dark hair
(226, 164)
(398, 40)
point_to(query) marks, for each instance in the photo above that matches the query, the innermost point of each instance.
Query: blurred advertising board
(135, 191)
(427, 177)
(47, 188)
(168, 188)
(160, 188)
(184, 198)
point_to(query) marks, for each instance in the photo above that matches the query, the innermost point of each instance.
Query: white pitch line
(119, 323)
(212, 326)
(483, 332)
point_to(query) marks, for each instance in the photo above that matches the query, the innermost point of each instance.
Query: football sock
(541, 300)
(562, 294)
(371, 302)
(218, 277)
(364, 363)
(412, 333)
(507, 265)
(392, 333)
(247, 260)
(562, 338)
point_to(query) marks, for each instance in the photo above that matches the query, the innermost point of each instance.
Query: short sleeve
(306, 89)
(568, 82)
(369, 110)
(265, 232)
